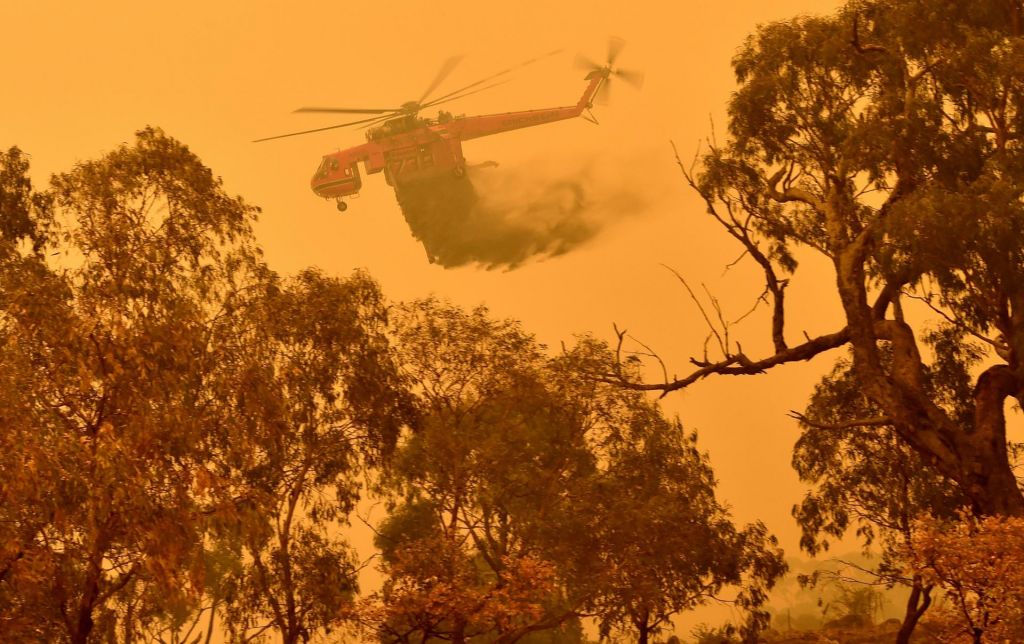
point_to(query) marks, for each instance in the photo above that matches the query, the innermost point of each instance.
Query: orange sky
(81, 77)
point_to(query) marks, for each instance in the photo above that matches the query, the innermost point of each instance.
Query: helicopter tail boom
(476, 126)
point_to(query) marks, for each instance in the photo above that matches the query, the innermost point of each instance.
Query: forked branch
(735, 361)
(739, 364)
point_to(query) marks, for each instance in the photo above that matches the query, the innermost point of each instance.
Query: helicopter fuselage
(409, 149)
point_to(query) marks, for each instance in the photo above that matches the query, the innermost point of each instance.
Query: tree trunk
(84, 622)
(992, 485)
(978, 461)
(213, 617)
(82, 628)
(459, 633)
(643, 625)
(644, 634)
(918, 602)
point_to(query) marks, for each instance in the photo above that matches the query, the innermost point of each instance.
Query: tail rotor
(609, 70)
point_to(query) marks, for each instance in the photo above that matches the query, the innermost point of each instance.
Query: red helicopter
(409, 148)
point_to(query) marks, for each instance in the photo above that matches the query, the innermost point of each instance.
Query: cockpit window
(324, 168)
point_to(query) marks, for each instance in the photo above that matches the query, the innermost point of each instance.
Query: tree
(25, 219)
(318, 399)
(887, 138)
(109, 364)
(468, 487)
(871, 480)
(651, 504)
(26, 216)
(183, 428)
(980, 565)
(638, 516)
(436, 588)
(528, 487)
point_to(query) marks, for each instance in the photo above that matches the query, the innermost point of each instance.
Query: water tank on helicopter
(439, 157)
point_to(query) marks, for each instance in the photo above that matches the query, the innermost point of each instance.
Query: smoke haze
(500, 217)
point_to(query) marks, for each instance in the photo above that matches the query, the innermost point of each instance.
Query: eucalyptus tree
(488, 459)
(868, 480)
(183, 429)
(107, 342)
(25, 219)
(529, 497)
(644, 537)
(317, 402)
(887, 138)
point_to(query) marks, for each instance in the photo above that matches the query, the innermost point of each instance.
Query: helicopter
(409, 148)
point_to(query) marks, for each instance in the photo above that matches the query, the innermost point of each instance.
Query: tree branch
(857, 45)
(791, 194)
(738, 364)
(741, 232)
(722, 344)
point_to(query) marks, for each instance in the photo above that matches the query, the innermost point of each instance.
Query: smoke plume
(501, 217)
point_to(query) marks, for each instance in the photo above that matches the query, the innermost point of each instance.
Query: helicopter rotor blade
(553, 52)
(582, 62)
(604, 93)
(384, 114)
(493, 76)
(374, 121)
(319, 129)
(442, 101)
(630, 76)
(446, 68)
(615, 46)
(345, 110)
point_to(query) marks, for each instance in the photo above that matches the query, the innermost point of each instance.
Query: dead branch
(741, 232)
(693, 296)
(739, 364)
(718, 312)
(651, 353)
(735, 261)
(763, 297)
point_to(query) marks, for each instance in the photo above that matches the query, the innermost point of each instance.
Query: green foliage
(862, 603)
(312, 376)
(112, 366)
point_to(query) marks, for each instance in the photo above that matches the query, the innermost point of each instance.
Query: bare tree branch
(693, 296)
(739, 364)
